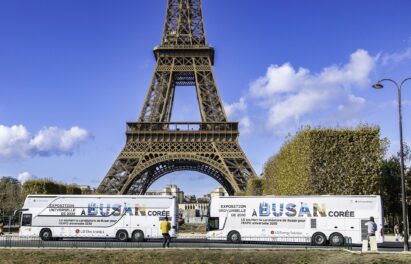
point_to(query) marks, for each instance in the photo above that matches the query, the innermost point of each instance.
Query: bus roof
(96, 196)
(297, 196)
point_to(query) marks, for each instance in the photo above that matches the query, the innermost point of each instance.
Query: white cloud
(53, 140)
(238, 112)
(288, 95)
(25, 176)
(17, 141)
(354, 73)
(233, 109)
(245, 125)
(14, 141)
(396, 57)
(278, 79)
(291, 108)
(351, 107)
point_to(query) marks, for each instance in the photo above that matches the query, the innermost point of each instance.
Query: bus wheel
(122, 236)
(138, 236)
(45, 234)
(318, 239)
(336, 240)
(234, 237)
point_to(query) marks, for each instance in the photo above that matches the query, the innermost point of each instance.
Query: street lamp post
(378, 85)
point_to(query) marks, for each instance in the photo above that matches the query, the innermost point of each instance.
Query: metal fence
(13, 241)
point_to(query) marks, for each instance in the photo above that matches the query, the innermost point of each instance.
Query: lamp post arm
(391, 80)
(404, 82)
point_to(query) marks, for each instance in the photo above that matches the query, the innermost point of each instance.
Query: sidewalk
(191, 236)
(391, 238)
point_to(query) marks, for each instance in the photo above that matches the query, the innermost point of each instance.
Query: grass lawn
(194, 256)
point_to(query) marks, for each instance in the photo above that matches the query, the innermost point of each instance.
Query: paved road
(389, 246)
(177, 243)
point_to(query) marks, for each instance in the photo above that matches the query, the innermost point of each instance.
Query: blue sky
(72, 72)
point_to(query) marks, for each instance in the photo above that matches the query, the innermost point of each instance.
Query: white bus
(124, 217)
(321, 220)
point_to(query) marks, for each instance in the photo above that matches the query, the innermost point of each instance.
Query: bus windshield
(213, 223)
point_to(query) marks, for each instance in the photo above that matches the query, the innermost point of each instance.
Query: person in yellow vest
(165, 227)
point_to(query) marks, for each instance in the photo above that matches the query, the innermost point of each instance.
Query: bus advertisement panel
(322, 219)
(97, 216)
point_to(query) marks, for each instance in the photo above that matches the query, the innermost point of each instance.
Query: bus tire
(137, 236)
(122, 235)
(336, 240)
(318, 239)
(234, 237)
(46, 235)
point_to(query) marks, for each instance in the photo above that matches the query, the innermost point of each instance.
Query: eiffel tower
(155, 146)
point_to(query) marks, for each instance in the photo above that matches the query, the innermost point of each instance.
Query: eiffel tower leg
(236, 162)
(211, 107)
(117, 175)
(158, 102)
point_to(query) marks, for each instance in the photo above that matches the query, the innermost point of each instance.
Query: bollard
(364, 245)
(373, 244)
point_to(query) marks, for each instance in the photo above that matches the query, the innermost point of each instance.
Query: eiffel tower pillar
(155, 146)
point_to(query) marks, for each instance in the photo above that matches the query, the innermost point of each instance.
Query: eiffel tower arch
(154, 145)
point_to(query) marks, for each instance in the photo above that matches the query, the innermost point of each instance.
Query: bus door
(155, 226)
(352, 225)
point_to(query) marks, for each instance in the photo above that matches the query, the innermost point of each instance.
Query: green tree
(255, 186)
(391, 188)
(73, 189)
(11, 195)
(8, 179)
(384, 146)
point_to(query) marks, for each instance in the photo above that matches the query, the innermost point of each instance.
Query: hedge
(46, 186)
(326, 161)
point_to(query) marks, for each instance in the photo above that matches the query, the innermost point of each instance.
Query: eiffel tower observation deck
(154, 145)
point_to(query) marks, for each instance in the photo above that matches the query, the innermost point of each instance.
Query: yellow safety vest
(165, 227)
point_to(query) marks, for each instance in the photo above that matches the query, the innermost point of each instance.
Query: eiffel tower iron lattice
(155, 146)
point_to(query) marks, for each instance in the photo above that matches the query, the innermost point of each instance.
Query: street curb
(179, 248)
(377, 252)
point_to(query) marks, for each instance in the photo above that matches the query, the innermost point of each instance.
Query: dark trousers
(166, 240)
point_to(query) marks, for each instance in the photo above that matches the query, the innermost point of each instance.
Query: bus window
(26, 220)
(213, 223)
